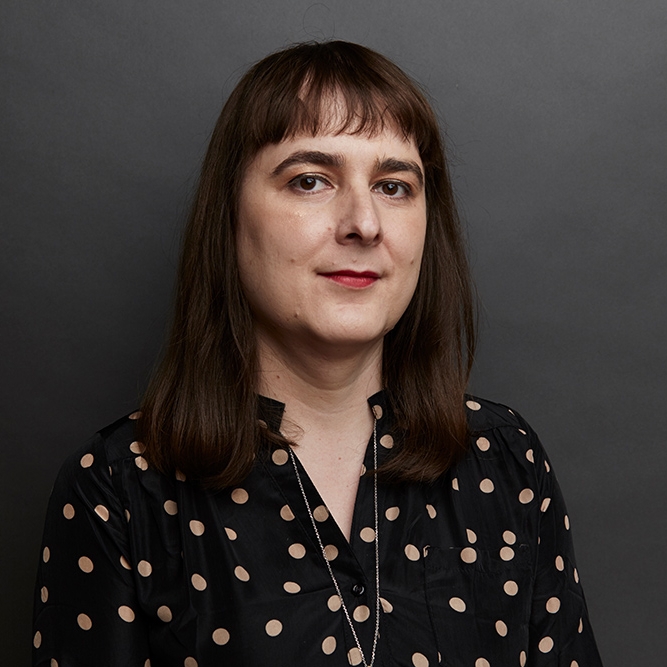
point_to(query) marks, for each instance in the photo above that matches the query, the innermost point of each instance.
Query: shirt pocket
(479, 604)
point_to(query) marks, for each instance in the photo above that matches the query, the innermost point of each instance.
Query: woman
(323, 331)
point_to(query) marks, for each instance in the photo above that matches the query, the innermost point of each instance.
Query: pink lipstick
(357, 279)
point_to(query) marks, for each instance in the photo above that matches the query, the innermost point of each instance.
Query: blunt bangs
(333, 87)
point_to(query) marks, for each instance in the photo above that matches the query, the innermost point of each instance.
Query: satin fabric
(476, 570)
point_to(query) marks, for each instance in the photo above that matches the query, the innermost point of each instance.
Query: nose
(359, 219)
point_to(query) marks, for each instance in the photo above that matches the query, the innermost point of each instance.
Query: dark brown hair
(199, 414)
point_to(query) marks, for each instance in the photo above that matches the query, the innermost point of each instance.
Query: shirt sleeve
(560, 633)
(86, 610)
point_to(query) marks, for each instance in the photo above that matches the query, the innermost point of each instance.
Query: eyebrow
(309, 157)
(337, 160)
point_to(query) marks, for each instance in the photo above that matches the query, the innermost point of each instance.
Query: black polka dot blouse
(139, 569)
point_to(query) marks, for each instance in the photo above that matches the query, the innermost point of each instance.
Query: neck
(320, 391)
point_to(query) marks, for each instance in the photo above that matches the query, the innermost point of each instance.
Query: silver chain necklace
(377, 552)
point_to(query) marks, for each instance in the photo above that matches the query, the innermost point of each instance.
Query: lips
(355, 279)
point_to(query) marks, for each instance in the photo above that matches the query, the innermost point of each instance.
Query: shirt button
(358, 589)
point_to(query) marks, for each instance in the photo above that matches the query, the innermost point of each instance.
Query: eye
(394, 189)
(307, 183)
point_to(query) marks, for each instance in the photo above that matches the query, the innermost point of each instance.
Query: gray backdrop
(558, 127)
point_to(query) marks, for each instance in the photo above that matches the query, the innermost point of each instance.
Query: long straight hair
(199, 414)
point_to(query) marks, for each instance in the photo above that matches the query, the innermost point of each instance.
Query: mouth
(354, 279)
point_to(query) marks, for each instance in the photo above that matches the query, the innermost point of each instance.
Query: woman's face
(330, 238)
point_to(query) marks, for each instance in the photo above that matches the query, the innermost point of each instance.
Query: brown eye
(395, 190)
(307, 182)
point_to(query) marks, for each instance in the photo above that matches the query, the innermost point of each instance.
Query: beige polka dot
(44, 594)
(501, 628)
(472, 537)
(231, 534)
(468, 555)
(274, 627)
(545, 504)
(361, 613)
(141, 463)
(486, 486)
(575, 575)
(507, 553)
(84, 621)
(329, 645)
(147, 663)
(387, 441)
(334, 603)
(377, 411)
(137, 447)
(135, 415)
(522, 659)
(240, 496)
(546, 644)
(526, 496)
(386, 606)
(547, 467)
(262, 423)
(457, 604)
(170, 507)
(473, 405)
(411, 552)
(180, 477)
(580, 629)
(509, 537)
(198, 582)
(296, 550)
(482, 662)
(353, 655)
(510, 587)
(102, 512)
(286, 513)
(431, 511)
(455, 484)
(362, 470)
(68, 511)
(483, 444)
(87, 460)
(126, 613)
(196, 527)
(280, 457)
(530, 455)
(125, 563)
(553, 605)
(164, 613)
(54, 663)
(560, 563)
(37, 639)
(574, 663)
(291, 587)
(190, 662)
(220, 636)
(46, 554)
(566, 521)
(241, 573)
(367, 534)
(425, 550)
(330, 552)
(144, 568)
(419, 660)
(320, 513)
(392, 513)
(521, 431)
(85, 564)
(127, 515)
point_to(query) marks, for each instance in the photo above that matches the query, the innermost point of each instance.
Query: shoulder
(484, 415)
(89, 469)
(498, 431)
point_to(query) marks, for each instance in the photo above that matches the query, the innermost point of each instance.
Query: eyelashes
(313, 183)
